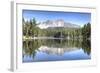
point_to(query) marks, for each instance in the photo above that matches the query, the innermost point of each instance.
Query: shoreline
(35, 38)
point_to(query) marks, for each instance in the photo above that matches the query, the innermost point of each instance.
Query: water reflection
(55, 49)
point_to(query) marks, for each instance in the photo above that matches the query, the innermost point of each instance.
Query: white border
(17, 38)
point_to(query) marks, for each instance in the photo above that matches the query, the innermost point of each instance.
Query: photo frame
(17, 63)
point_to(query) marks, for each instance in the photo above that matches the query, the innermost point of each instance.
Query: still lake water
(55, 50)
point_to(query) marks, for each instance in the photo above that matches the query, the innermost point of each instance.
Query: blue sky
(72, 17)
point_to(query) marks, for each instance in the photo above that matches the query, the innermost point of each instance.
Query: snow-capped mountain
(57, 23)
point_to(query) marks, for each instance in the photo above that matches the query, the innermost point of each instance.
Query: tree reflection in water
(86, 46)
(30, 47)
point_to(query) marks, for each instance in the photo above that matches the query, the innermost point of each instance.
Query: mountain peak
(57, 23)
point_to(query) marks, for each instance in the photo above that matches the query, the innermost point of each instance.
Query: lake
(41, 50)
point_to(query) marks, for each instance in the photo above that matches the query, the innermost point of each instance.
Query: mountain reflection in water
(55, 50)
